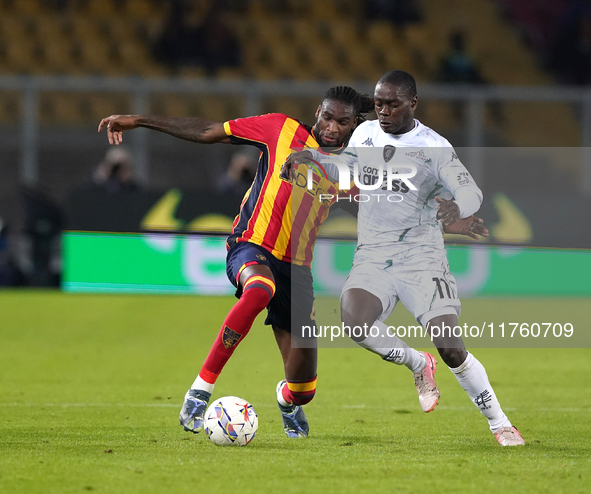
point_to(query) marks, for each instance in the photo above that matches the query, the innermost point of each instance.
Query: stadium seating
(293, 40)
(299, 40)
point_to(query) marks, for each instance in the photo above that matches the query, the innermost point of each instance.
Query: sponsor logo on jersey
(314, 187)
(420, 155)
(261, 257)
(367, 142)
(464, 178)
(396, 355)
(482, 399)
(375, 170)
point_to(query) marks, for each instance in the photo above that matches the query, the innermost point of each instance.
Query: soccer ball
(230, 421)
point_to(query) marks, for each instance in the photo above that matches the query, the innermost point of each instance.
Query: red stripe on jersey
(257, 209)
(298, 143)
(236, 220)
(314, 232)
(280, 234)
(299, 225)
(274, 228)
(288, 257)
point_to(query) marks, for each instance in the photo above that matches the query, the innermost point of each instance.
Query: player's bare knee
(355, 320)
(352, 319)
(453, 357)
(359, 309)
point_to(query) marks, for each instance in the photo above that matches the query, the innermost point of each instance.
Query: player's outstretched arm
(472, 226)
(195, 129)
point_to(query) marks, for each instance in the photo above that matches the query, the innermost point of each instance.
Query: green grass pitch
(91, 387)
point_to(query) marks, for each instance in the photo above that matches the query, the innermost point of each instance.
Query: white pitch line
(90, 405)
(361, 406)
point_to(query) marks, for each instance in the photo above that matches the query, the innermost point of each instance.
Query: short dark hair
(400, 79)
(361, 102)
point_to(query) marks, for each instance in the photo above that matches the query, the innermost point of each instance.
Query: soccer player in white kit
(400, 253)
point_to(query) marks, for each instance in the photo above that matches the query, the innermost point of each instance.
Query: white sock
(202, 385)
(393, 349)
(472, 377)
(280, 398)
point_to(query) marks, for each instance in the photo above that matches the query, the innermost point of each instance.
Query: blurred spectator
(192, 38)
(572, 56)
(115, 172)
(10, 274)
(43, 224)
(457, 66)
(240, 172)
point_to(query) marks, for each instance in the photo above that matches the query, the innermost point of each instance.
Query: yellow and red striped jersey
(282, 217)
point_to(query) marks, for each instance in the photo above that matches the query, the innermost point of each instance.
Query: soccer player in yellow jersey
(269, 251)
(272, 240)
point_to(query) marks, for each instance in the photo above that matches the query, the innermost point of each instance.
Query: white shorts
(416, 275)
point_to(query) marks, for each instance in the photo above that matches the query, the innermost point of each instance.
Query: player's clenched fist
(472, 226)
(447, 211)
(116, 124)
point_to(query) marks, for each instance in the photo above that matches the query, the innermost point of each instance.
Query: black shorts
(292, 306)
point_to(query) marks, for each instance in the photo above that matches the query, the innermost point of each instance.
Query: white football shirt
(405, 209)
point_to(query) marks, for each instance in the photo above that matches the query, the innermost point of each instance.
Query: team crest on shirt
(261, 257)
(389, 153)
(230, 337)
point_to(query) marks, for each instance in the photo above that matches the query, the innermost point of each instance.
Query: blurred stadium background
(94, 382)
(506, 81)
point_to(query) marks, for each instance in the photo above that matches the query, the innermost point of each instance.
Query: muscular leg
(256, 269)
(469, 372)
(258, 285)
(258, 288)
(451, 348)
(361, 308)
(299, 387)
(299, 363)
